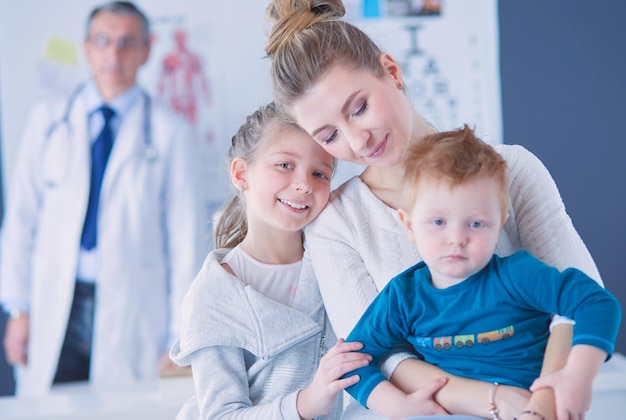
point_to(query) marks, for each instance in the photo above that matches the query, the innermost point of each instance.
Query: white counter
(154, 401)
(162, 400)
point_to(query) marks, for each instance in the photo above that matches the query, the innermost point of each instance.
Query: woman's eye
(361, 110)
(331, 138)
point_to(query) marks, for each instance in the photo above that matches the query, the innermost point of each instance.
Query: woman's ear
(403, 215)
(238, 169)
(392, 68)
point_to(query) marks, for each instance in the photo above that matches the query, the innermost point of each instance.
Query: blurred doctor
(93, 266)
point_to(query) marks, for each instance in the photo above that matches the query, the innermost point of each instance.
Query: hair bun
(293, 16)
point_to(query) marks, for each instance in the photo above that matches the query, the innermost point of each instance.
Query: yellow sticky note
(61, 51)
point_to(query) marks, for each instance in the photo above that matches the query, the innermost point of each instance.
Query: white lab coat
(152, 238)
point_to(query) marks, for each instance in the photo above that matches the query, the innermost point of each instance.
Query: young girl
(254, 329)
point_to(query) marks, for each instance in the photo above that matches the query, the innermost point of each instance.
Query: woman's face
(357, 116)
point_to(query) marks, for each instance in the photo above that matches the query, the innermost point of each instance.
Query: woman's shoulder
(352, 202)
(355, 196)
(517, 156)
(525, 169)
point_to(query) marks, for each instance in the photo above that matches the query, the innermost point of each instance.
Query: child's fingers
(343, 346)
(341, 384)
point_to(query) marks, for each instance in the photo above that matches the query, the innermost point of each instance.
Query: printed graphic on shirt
(464, 340)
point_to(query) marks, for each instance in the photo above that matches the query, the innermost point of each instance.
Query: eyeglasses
(125, 43)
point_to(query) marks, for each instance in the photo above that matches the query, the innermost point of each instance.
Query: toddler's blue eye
(476, 224)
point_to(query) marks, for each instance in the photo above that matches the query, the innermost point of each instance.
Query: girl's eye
(476, 224)
(361, 110)
(438, 222)
(284, 165)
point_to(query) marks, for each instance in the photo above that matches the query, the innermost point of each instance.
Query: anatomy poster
(208, 64)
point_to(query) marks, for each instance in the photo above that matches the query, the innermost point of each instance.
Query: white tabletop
(163, 399)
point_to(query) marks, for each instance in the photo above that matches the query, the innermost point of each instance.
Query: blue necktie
(100, 151)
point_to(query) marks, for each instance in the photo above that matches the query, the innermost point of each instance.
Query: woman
(349, 96)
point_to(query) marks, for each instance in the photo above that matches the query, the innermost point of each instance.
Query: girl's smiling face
(288, 181)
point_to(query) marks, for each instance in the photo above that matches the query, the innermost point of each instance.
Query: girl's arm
(222, 391)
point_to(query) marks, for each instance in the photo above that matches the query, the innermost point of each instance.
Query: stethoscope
(53, 150)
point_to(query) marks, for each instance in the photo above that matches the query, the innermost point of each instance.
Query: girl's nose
(303, 184)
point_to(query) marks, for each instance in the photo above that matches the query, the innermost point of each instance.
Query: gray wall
(563, 86)
(563, 67)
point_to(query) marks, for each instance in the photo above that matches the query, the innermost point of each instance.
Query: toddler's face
(455, 229)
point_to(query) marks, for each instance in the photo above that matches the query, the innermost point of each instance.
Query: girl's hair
(306, 39)
(232, 226)
(453, 157)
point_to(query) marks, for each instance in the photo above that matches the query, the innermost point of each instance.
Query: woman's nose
(358, 139)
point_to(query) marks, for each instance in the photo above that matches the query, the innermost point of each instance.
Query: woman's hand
(460, 395)
(386, 399)
(511, 401)
(573, 385)
(318, 398)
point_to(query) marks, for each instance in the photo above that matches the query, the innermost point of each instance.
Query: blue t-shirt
(493, 326)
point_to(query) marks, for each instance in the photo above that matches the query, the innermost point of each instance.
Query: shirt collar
(121, 104)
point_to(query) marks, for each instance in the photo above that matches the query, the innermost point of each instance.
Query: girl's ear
(403, 215)
(392, 68)
(238, 169)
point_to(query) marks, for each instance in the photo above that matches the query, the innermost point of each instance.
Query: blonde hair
(232, 226)
(306, 39)
(453, 157)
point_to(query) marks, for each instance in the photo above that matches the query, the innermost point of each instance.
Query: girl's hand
(317, 399)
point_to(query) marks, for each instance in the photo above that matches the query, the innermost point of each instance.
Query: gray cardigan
(249, 355)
